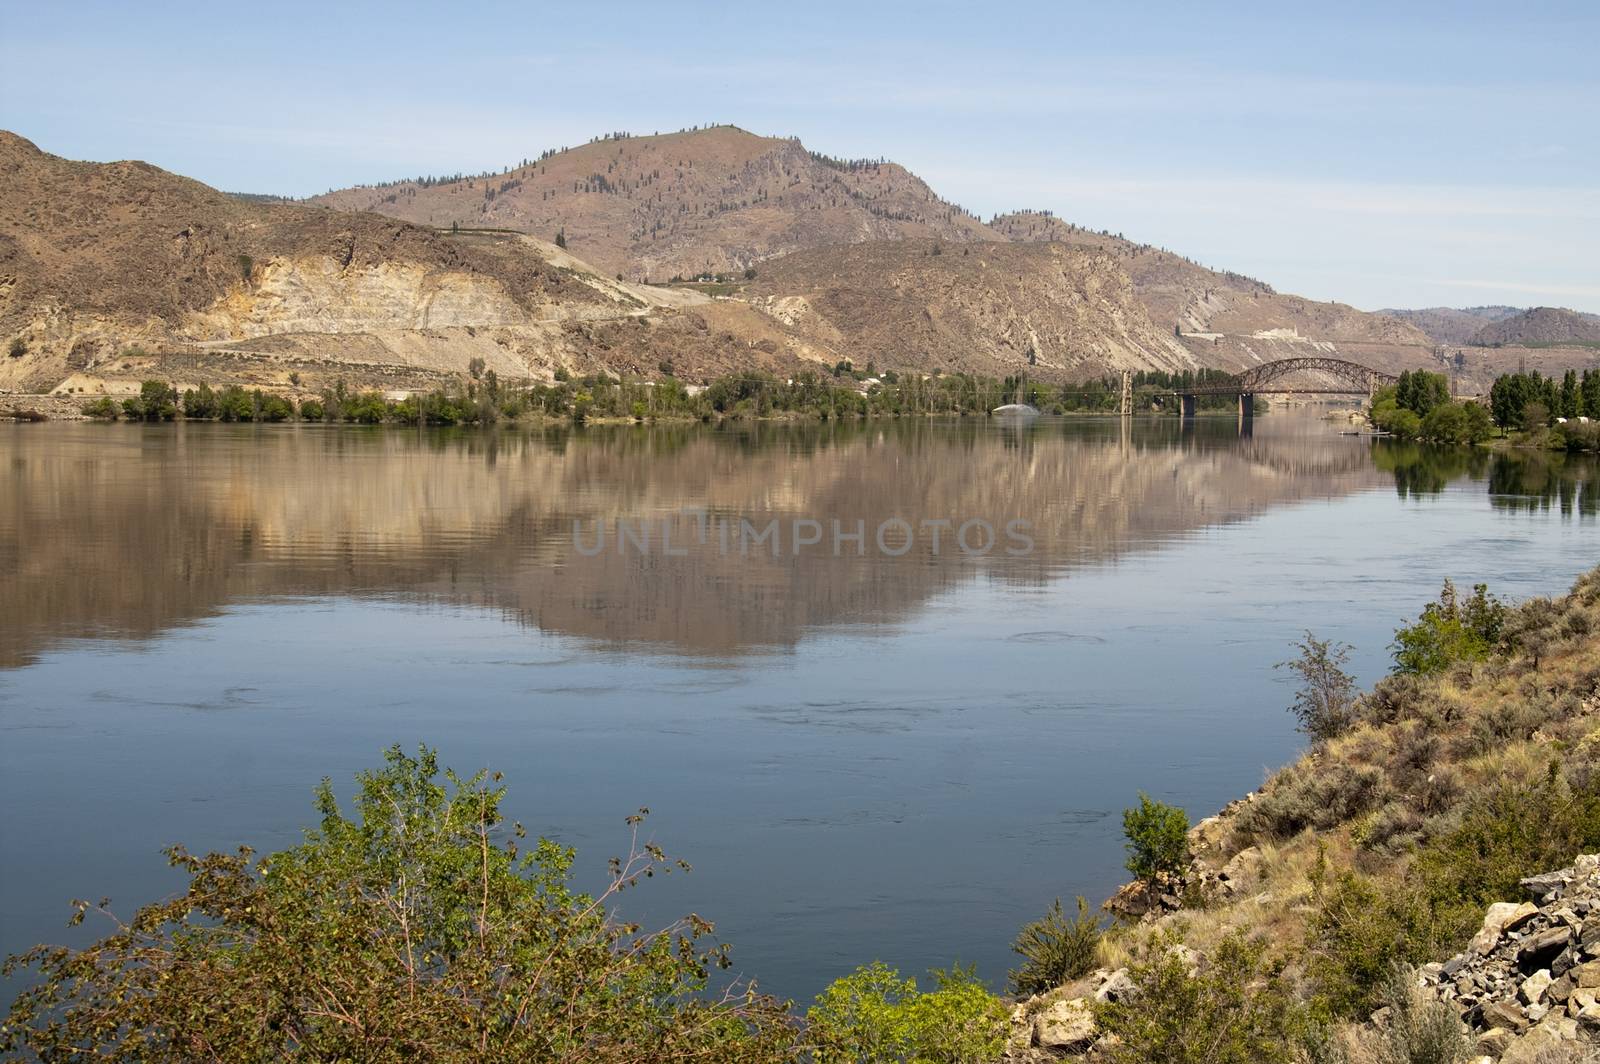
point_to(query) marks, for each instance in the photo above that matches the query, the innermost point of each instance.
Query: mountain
(1540, 326)
(113, 271)
(1227, 320)
(716, 200)
(1054, 310)
(1451, 325)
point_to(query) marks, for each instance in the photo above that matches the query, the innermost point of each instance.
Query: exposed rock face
(1531, 976)
(1049, 310)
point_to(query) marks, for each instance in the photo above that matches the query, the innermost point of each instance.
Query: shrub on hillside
(1156, 838)
(1325, 703)
(1235, 1010)
(1056, 949)
(872, 1016)
(1421, 1028)
(1317, 796)
(1449, 631)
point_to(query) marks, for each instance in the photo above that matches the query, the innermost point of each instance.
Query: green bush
(1235, 1010)
(1450, 631)
(1457, 423)
(418, 929)
(1358, 933)
(1156, 837)
(103, 408)
(1056, 949)
(312, 410)
(872, 1016)
(19, 347)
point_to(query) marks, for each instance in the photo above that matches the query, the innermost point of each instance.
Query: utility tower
(1127, 393)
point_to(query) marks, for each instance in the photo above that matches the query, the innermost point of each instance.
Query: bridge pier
(1186, 406)
(1247, 406)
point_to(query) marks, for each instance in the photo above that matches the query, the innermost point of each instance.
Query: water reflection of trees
(1420, 469)
(1536, 481)
(1525, 480)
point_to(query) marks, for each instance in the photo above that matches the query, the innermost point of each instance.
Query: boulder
(1502, 916)
(1505, 1014)
(1533, 988)
(1586, 975)
(1545, 884)
(1065, 1026)
(1495, 1041)
(1118, 987)
(1540, 949)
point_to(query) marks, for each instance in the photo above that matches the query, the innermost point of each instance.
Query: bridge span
(1349, 378)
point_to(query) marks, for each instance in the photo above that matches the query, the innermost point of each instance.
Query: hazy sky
(1383, 155)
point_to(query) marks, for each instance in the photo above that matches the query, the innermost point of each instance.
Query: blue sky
(1381, 155)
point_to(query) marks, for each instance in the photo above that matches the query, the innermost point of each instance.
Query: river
(870, 746)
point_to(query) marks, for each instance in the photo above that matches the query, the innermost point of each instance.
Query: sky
(1382, 155)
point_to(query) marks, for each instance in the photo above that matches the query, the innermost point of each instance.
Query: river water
(869, 748)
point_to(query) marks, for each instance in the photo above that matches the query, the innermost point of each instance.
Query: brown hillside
(110, 272)
(1231, 321)
(716, 199)
(984, 307)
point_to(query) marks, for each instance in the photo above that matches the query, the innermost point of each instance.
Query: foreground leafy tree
(414, 930)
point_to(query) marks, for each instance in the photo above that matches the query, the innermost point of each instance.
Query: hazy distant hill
(717, 199)
(1540, 325)
(1452, 325)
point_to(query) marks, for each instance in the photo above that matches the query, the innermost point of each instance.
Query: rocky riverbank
(1422, 887)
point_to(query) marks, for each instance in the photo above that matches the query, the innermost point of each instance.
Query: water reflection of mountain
(125, 531)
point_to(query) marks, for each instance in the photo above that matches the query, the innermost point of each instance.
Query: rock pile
(1530, 978)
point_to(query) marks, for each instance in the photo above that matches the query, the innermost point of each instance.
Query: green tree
(1448, 631)
(156, 401)
(1325, 703)
(1156, 838)
(1571, 402)
(561, 238)
(417, 929)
